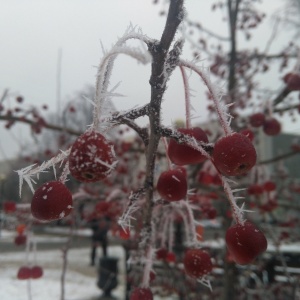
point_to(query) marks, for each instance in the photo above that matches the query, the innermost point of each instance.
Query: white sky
(33, 31)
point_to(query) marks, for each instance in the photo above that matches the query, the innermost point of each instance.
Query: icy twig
(216, 94)
(28, 172)
(237, 211)
(125, 220)
(187, 97)
(106, 66)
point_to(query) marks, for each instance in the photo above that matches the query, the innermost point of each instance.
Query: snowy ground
(81, 278)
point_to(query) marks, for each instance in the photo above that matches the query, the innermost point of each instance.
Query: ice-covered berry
(245, 242)
(181, 154)
(172, 185)
(234, 155)
(141, 294)
(197, 263)
(91, 158)
(51, 201)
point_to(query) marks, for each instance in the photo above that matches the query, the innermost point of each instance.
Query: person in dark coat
(100, 227)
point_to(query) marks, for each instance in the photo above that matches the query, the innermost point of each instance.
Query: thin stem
(186, 97)
(215, 97)
(237, 213)
(167, 156)
(105, 71)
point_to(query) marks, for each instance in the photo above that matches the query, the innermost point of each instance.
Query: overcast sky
(33, 31)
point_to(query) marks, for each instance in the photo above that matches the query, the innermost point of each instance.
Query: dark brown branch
(45, 125)
(160, 52)
(5, 92)
(278, 158)
(281, 96)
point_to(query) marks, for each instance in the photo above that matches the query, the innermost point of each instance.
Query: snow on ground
(80, 277)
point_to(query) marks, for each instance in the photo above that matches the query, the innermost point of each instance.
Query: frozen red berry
(197, 263)
(51, 201)
(36, 272)
(141, 294)
(245, 242)
(181, 154)
(91, 158)
(24, 273)
(292, 81)
(257, 119)
(172, 185)
(272, 126)
(234, 155)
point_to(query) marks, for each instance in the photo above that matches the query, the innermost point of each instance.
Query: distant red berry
(257, 119)
(161, 253)
(91, 157)
(292, 81)
(234, 155)
(141, 294)
(269, 186)
(197, 263)
(19, 99)
(245, 242)
(248, 133)
(51, 201)
(36, 272)
(205, 178)
(172, 185)
(20, 239)
(272, 127)
(181, 154)
(152, 276)
(171, 257)
(24, 273)
(124, 233)
(9, 206)
(255, 189)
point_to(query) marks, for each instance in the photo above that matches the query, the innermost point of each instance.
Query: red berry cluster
(34, 272)
(271, 126)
